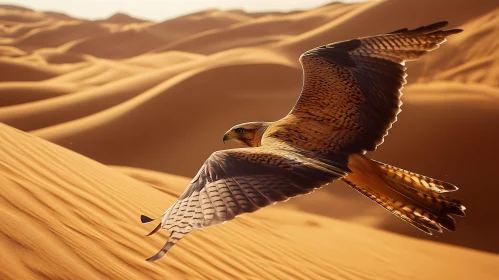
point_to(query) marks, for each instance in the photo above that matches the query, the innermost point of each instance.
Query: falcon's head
(248, 134)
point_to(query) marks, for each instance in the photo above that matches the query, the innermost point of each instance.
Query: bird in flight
(349, 100)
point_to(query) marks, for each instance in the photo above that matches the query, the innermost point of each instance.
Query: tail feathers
(414, 180)
(417, 217)
(419, 187)
(404, 194)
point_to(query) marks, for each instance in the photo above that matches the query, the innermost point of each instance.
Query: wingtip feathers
(145, 220)
(156, 257)
(158, 227)
(431, 29)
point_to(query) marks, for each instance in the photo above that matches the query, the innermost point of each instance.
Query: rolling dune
(14, 30)
(164, 59)
(9, 51)
(167, 149)
(182, 27)
(66, 216)
(19, 93)
(58, 34)
(13, 14)
(265, 29)
(137, 42)
(120, 18)
(153, 99)
(13, 70)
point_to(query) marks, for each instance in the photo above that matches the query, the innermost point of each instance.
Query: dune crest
(122, 18)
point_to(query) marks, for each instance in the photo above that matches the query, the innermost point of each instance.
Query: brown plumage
(349, 101)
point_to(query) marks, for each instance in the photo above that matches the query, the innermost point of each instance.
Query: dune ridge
(18, 93)
(263, 30)
(20, 71)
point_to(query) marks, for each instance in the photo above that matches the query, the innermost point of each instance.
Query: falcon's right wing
(238, 181)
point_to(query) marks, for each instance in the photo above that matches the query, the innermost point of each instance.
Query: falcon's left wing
(238, 181)
(351, 89)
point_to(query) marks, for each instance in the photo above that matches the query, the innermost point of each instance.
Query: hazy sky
(160, 9)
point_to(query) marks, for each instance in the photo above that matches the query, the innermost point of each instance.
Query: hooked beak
(226, 137)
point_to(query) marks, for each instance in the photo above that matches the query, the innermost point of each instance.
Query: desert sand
(134, 107)
(68, 217)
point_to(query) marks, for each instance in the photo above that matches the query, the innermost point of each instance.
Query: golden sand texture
(65, 216)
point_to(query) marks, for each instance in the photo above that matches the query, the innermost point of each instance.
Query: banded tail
(414, 198)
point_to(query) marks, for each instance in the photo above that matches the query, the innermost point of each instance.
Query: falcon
(349, 100)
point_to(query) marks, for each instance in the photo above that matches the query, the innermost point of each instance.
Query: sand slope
(18, 71)
(471, 56)
(58, 34)
(377, 17)
(161, 102)
(18, 93)
(65, 216)
(184, 26)
(137, 42)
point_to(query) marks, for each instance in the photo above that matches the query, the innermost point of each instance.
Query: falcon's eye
(239, 130)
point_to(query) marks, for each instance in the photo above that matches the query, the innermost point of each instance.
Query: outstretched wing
(351, 92)
(238, 181)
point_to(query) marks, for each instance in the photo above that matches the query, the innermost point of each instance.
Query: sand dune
(127, 92)
(14, 8)
(267, 29)
(263, 13)
(371, 18)
(94, 100)
(18, 71)
(53, 56)
(11, 51)
(162, 152)
(111, 45)
(184, 26)
(13, 14)
(88, 101)
(58, 34)
(164, 59)
(57, 15)
(64, 216)
(121, 18)
(469, 54)
(16, 30)
(13, 93)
